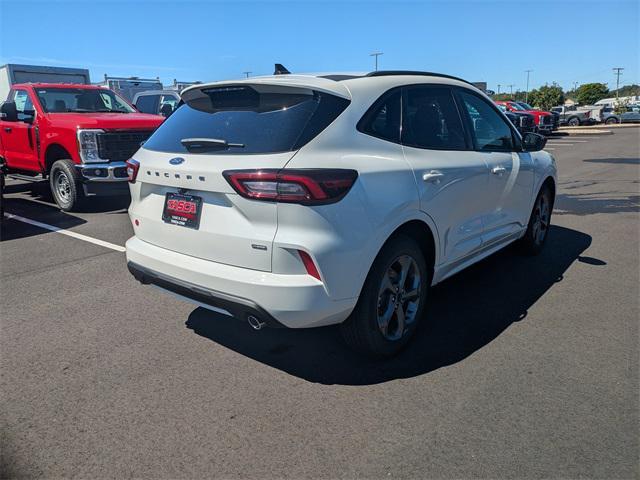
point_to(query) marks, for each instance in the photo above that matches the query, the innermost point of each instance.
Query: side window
(168, 104)
(148, 104)
(383, 119)
(24, 106)
(431, 119)
(490, 131)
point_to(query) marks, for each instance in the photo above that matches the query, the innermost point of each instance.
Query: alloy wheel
(541, 217)
(398, 297)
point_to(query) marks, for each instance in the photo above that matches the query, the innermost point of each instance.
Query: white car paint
(479, 204)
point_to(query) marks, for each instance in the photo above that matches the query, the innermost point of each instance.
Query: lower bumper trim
(240, 308)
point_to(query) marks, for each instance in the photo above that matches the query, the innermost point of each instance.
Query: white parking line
(560, 144)
(62, 231)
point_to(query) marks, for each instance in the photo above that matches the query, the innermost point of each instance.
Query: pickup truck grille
(527, 121)
(546, 120)
(120, 146)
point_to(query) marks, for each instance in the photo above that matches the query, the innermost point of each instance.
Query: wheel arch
(551, 183)
(419, 229)
(55, 152)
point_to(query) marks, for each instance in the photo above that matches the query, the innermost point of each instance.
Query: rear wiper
(208, 143)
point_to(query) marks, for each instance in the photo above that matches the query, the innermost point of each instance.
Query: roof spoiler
(280, 69)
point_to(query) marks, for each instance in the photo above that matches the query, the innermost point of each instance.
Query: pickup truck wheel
(65, 185)
(611, 121)
(574, 121)
(392, 300)
(539, 223)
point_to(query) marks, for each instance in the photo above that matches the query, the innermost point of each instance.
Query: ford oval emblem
(176, 161)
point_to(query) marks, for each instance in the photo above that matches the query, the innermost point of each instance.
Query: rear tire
(573, 122)
(392, 300)
(65, 185)
(611, 121)
(539, 222)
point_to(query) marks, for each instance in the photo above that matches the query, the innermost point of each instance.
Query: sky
(492, 41)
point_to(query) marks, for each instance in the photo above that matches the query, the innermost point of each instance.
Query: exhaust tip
(255, 323)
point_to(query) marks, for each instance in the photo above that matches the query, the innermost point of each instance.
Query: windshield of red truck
(81, 100)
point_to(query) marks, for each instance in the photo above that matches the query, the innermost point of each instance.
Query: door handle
(498, 170)
(433, 176)
(7, 129)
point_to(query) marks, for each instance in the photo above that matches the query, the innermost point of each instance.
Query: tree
(547, 96)
(627, 91)
(590, 93)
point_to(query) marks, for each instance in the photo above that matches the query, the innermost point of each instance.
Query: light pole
(618, 72)
(247, 73)
(511, 87)
(376, 55)
(526, 94)
(575, 87)
(499, 89)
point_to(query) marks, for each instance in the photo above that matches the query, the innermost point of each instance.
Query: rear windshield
(244, 120)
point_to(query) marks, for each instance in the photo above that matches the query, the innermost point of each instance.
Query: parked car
(524, 122)
(631, 115)
(555, 120)
(157, 102)
(127, 87)
(573, 116)
(302, 201)
(77, 136)
(545, 121)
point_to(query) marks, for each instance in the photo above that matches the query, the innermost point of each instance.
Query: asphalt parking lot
(527, 368)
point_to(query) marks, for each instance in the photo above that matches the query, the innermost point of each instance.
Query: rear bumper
(293, 301)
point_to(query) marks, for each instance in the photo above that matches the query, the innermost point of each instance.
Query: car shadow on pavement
(465, 313)
(615, 161)
(40, 192)
(11, 229)
(596, 202)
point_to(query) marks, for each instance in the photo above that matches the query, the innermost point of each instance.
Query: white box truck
(12, 73)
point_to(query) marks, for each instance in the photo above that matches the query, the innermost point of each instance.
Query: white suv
(301, 201)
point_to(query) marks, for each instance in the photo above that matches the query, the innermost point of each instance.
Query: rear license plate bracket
(182, 210)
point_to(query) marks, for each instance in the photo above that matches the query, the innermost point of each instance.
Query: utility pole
(376, 55)
(618, 72)
(511, 87)
(526, 95)
(499, 89)
(247, 73)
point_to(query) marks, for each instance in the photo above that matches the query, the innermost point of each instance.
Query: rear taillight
(587, 114)
(307, 187)
(132, 169)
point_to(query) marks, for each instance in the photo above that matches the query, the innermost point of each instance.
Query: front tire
(392, 300)
(611, 121)
(538, 228)
(65, 185)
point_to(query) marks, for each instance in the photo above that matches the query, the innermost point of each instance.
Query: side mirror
(533, 142)
(8, 112)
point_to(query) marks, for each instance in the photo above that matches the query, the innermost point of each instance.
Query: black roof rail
(384, 73)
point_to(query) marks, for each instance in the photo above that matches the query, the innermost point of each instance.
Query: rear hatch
(219, 128)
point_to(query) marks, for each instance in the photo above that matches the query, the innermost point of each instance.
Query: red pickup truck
(545, 121)
(77, 136)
